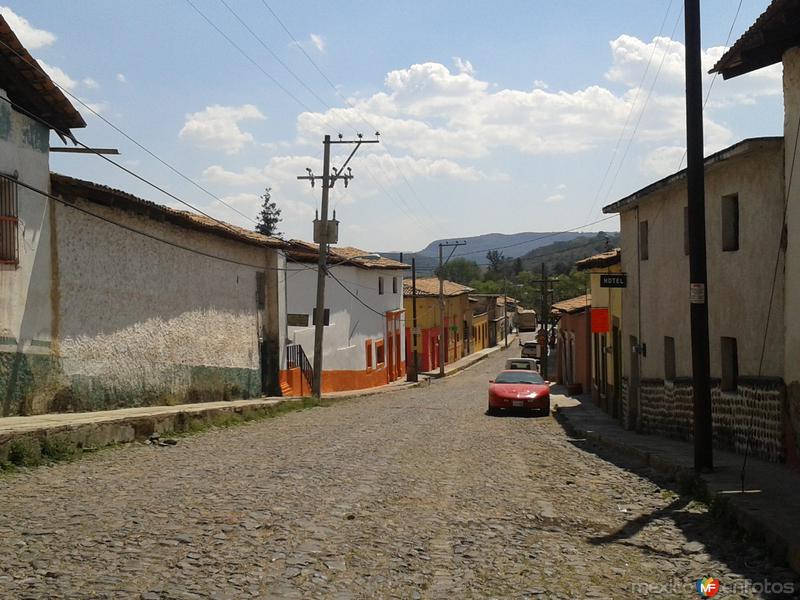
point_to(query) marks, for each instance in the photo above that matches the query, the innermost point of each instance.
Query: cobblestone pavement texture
(415, 494)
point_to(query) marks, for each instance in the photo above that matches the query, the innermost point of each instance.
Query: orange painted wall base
(333, 381)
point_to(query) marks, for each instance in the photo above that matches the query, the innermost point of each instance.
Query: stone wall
(753, 414)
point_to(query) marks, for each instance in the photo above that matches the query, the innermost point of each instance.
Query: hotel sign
(613, 280)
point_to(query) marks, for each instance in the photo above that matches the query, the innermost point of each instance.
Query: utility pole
(442, 337)
(544, 321)
(325, 233)
(412, 374)
(698, 295)
(505, 311)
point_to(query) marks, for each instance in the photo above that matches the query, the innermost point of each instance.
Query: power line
(116, 164)
(348, 104)
(131, 139)
(630, 110)
(543, 237)
(644, 107)
(289, 93)
(137, 231)
(336, 279)
(716, 73)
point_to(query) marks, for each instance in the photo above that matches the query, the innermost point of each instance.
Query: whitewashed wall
(351, 323)
(142, 322)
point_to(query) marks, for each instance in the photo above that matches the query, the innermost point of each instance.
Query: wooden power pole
(698, 294)
(325, 233)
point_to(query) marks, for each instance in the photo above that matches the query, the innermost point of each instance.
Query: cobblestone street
(415, 494)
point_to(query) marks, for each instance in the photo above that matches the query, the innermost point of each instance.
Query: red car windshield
(519, 377)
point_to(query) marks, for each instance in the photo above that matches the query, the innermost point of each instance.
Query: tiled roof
(69, 187)
(429, 286)
(29, 87)
(573, 305)
(774, 31)
(308, 252)
(604, 259)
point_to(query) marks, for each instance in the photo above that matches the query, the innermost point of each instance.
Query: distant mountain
(511, 245)
(560, 257)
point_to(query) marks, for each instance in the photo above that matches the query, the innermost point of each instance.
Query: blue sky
(495, 117)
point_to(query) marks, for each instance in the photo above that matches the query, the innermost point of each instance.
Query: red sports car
(525, 390)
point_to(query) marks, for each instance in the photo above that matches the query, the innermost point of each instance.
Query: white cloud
(217, 127)
(555, 198)
(90, 83)
(121, 78)
(464, 66)
(58, 76)
(318, 41)
(31, 37)
(539, 84)
(247, 177)
(429, 111)
(662, 161)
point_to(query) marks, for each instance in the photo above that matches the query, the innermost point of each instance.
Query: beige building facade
(744, 190)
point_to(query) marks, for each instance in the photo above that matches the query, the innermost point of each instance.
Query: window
(686, 230)
(643, 240)
(394, 285)
(380, 358)
(669, 359)
(368, 352)
(730, 223)
(9, 222)
(380, 286)
(730, 364)
(296, 320)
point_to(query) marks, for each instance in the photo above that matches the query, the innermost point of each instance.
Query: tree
(460, 270)
(270, 215)
(496, 260)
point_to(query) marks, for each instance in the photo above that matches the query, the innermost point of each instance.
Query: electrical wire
(542, 237)
(138, 231)
(348, 103)
(781, 240)
(141, 178)
(644, 107)
(290, 94)
(630, 111)
(129, 138)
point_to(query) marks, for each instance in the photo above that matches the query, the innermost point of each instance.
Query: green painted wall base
(37, 384)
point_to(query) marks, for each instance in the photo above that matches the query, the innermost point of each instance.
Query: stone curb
(107, 430)
(778, 542)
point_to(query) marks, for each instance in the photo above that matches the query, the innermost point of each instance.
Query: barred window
(9, 222)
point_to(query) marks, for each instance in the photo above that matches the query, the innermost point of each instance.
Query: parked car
(530, 350)
(518, 389)
(526, 364)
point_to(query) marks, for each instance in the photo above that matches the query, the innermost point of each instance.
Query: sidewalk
(102, 428)
(769, 508)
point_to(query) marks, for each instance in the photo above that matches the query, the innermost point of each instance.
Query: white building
(108, 300)
(28, 99)
(364, 336)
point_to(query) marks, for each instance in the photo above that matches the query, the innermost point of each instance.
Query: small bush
(58, 448)
(25, 452)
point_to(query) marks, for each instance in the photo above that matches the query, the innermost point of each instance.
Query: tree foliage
(270, 215)
(461, 271)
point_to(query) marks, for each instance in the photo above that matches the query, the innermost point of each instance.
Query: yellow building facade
(457, 321)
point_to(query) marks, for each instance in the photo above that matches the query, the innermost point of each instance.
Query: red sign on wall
(599, 320)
